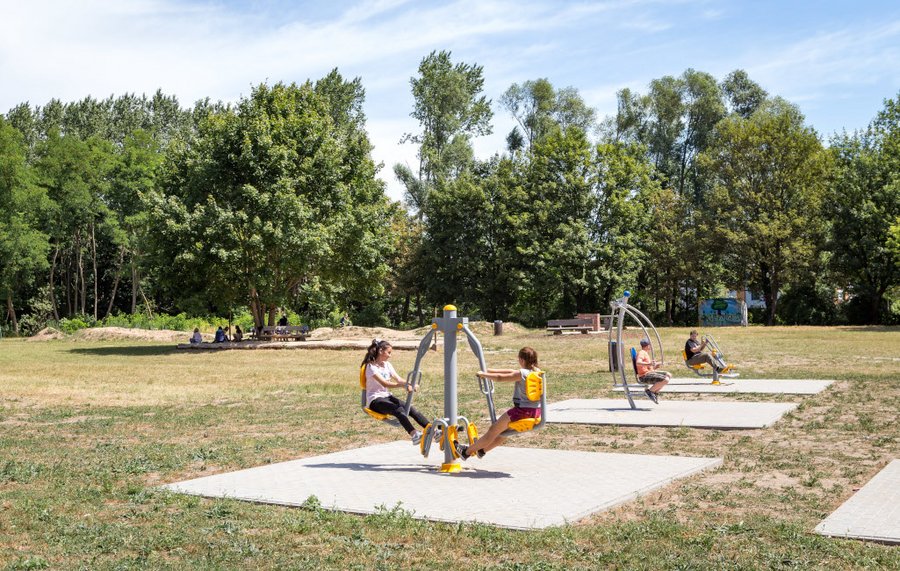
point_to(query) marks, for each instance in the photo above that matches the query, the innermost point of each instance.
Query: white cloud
(200, 48)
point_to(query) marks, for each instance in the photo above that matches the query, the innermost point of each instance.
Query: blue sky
(837, 60)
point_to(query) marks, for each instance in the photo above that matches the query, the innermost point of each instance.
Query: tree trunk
(83, 281)
(875, 305)
(12, 311)
(134, 287)
(52, 287)
(146, 304)
(112, 297)
(256, 309)
(69, 308)
(273, 313)
(766, 282)
(96, 277)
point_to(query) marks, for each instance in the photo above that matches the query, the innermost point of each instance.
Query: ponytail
(377, 346)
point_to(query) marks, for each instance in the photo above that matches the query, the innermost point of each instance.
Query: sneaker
(438, 434)
(416, 437)
(652, 396)
(462, 450)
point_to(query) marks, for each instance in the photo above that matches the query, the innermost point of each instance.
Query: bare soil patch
(123, 333)
(46, 334)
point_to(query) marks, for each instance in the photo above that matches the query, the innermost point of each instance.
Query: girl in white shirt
(381, 376)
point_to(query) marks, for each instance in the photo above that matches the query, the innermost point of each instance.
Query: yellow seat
(534, 389)
(697, 367)
(367, 410)
(375, 415)
(524, 424)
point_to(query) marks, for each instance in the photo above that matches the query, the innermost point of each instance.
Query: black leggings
(391, 405)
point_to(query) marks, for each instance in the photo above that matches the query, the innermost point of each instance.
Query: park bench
(282, 333)
(558, 326)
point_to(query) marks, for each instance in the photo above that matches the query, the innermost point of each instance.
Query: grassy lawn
(89, 429)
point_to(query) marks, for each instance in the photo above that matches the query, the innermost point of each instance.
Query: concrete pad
(520, 488)
(774, 386)
(872, 513)
(697, 414)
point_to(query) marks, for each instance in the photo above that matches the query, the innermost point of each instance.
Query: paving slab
(693, 413)
(872, 513)
(558, 486)
(772, 386)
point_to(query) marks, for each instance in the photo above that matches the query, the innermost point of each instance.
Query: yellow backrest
(362, 377)
(534, 385)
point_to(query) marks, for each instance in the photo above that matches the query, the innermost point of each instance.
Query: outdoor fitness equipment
(620, 311)
(718, 357)
(451, 425)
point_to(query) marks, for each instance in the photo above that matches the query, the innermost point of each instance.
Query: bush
(807, 304)
(73, 324)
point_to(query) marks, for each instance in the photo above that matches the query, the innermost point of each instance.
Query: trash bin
(613, 357)
(498, 327)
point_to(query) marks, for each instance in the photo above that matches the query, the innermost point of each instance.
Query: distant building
(752, 301)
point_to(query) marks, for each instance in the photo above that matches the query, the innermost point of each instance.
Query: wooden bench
(282, 333)
(558, 326)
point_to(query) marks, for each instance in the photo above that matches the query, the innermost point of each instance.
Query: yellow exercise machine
(703, 370)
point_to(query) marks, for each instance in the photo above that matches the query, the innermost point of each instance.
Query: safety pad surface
(520, 488)
(872, 513)
(738, 385)
(697, 414)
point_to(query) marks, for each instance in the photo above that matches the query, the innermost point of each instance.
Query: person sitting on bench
(648, 374)
(693, 349)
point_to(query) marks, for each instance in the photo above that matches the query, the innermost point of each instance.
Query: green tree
(273, 201)
(767, 175)
(863, 202)
(23, 246)
(540, 109)
(469, 241)
(450, 109)
(76, 176)
(674, 121)
(133, 177)
(554, 241)
(744, 95)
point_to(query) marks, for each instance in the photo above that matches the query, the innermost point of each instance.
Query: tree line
(695, 187)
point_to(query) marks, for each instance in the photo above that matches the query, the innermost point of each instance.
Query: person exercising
(693, 349)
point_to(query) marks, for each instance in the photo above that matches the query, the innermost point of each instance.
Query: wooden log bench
(558, 326)
(282, 333)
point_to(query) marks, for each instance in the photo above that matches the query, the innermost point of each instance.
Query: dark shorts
(516, 413)
(653, 377)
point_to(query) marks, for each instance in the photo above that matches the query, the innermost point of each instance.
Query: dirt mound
(480, 328)
(123, 333)
(354, 332)
(46, 334)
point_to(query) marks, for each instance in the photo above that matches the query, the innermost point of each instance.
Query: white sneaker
(438, 434)
(416, 437)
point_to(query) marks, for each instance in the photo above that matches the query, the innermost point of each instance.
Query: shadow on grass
(134, 351)
(411, 468)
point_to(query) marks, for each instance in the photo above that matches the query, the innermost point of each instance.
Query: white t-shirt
(374, 389)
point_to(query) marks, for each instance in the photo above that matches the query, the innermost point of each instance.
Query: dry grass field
(90, 427)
